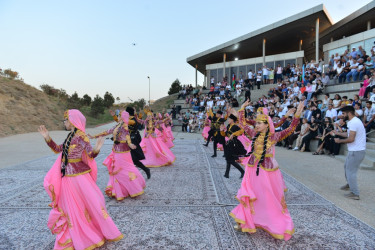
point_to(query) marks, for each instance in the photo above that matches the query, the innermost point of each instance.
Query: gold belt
(74, 160)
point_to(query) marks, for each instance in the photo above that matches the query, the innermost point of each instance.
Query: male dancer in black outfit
(137, 153)
(216, 122)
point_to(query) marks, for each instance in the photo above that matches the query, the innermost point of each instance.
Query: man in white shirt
(265, 74)
(331, 112)
(355, 138)
(353, 71)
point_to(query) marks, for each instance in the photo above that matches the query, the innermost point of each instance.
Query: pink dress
(124, 178)
(161, 132)
(262, 201)
(156, 151)
(79, 217)
(362, 90)
(207, 127)
(168, 128)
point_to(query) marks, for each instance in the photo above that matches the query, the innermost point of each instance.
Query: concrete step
(364, 165)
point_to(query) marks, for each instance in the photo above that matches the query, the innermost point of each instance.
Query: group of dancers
(252, 143)
(79, 217)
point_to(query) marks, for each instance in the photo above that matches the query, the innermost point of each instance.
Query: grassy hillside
(23, 108)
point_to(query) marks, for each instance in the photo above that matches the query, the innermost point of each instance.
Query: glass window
(219, 75)
(356, 45)
(227, 73)
(233, 71)
(369, 44)
(340, 51)
(270, 65)
(279, 62)
(242, 73)
(213, 72)
(290, 61)
(250, 67)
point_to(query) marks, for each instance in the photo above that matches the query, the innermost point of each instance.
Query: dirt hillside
(23, 108)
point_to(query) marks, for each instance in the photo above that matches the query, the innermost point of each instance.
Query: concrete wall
(256, 60)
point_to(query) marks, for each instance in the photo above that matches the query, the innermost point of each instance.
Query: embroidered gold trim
(74, 160)
(72, 175)
(105, 214)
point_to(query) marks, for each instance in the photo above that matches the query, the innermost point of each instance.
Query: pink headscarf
(52, 181)
(77, 119)
(125, 117)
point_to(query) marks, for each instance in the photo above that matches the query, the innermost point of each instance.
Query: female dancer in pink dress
(261, 196)
(161, 132)
(124, 178)
(206, 128)
(78, 217)
(156, 151)
(168, 126)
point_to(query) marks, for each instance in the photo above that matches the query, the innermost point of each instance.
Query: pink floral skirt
(262, 204)
(81, 220)
(124, 178)
(156, 152)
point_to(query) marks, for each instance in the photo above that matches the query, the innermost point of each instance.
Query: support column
(368, 25)
(264, 51)
(331, 39)
(224, 60)
(317, 40)
(196, 75)
(300, 45)
(205, 78)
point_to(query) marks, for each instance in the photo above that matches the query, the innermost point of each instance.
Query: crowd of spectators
(322, 116)
(352, 66)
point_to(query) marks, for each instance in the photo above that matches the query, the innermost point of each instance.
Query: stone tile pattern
(185, 206)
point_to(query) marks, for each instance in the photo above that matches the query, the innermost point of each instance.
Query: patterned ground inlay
(185, 206)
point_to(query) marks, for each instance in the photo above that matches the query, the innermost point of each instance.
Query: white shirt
(210, 103)
(265, 71)
(331, 113)
(250, 75)
(359, 112)
(369, 113)
(359, 142)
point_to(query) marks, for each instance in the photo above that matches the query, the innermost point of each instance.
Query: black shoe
(148, 173)
(213, 155)
(206, 145)
(242, 175)
(226, 176)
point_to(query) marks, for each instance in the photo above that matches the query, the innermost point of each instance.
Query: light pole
(149, 91)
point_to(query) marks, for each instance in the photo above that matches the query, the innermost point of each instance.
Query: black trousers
(184, 127)
(234, 164)
(141, 166)
(306, 140)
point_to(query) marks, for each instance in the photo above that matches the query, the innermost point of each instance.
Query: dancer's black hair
(65, 150)
(264, 149)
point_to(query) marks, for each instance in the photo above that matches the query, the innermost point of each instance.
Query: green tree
(74, 102)
(97, 106)
(109, 100)
(175, 87)
(86, 100)
(138, 104)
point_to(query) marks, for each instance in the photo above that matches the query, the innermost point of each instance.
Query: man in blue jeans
(355, 138)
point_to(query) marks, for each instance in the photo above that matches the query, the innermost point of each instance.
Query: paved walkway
(186, 206)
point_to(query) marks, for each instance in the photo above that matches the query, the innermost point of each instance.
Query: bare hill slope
(23, 108)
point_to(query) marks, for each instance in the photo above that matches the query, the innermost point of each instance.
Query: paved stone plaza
(185, 206)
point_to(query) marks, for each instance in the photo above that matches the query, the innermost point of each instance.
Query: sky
(87, 45)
